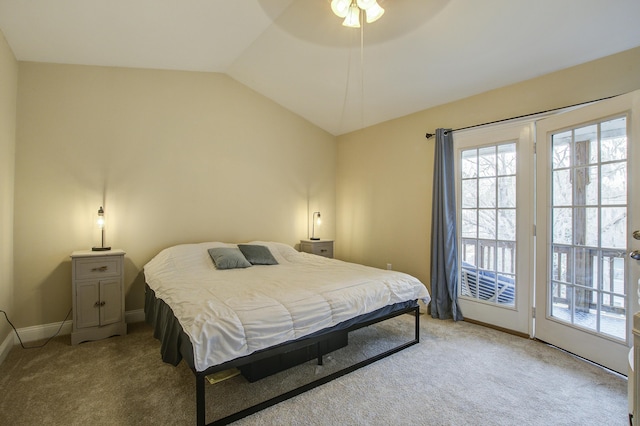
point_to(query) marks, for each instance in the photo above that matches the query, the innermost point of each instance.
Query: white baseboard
(134, 316)
(45, 331)
(39, 332)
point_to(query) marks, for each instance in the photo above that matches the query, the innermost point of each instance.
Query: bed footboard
(200, 376)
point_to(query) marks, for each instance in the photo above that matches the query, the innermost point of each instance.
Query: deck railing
(581, 274)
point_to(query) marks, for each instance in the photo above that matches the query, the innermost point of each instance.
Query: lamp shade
(366, 4)
(352, 19)
(374, 12)
(340, 7)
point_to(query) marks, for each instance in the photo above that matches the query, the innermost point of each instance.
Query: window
(589, 226)
(488, 223)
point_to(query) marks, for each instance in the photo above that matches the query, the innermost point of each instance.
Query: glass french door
(588, 204)
(494, 169)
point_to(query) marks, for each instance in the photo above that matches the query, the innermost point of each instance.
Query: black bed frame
(291, 346)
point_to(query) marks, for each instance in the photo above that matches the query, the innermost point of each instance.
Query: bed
(217, 305)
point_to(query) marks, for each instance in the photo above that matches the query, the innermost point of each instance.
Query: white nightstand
(97, 281)
(319, 247)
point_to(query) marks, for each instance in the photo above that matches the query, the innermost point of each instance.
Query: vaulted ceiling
(420, 54)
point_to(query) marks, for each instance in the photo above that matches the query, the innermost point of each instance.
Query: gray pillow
(228, 258)
(257, 254)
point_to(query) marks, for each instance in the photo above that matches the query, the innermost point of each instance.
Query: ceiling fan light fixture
(350, 11)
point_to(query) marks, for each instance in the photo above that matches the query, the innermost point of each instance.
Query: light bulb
(100, 221)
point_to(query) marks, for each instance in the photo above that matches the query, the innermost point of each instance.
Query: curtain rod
(430, 135)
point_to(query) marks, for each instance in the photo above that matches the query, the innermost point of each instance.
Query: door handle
(636, 235)
(635, 254)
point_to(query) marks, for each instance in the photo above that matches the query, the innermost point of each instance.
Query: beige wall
(177, 157)
(385, 173)
(8, 91)
(174, 157)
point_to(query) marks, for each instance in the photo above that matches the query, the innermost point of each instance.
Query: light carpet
(459, 374)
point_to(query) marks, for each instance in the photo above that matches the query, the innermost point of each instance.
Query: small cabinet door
(88, 304)
(110, 302)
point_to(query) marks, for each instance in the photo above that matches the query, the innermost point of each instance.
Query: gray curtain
(444, 248)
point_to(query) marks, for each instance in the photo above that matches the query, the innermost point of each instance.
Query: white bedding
(235, 312)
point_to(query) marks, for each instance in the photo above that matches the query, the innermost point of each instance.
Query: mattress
(231, 313)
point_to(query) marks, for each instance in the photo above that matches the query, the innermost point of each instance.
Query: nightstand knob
(100, 269)
(97, 304)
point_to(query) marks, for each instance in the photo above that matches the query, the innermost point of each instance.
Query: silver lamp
(315, 219)
(100, 222)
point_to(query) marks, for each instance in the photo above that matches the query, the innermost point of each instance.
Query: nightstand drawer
(321, 248)
(97, 268)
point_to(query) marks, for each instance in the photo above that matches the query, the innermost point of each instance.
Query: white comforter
(235, 312)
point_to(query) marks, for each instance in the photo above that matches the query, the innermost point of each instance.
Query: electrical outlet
(389, 266)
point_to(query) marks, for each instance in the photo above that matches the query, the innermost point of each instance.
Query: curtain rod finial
(430, 135)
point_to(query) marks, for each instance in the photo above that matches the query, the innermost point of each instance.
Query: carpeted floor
(460, 374)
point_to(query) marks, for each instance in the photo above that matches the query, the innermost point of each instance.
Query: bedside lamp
(315, 219)
(100, 222)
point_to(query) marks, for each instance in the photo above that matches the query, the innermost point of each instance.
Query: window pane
(469, 252)
(582, 267)
(487, 192)
(589, 137)
(562, 188)
(507, 257)
(580, 229)
(487, 161)
(561, 258)
(591, 198)
(614, 139)
(613, 266)
(487, 255)
(580, 177)
(487, 224)
(469, 194)
(469, 164)
(469, 226)
(561, 150)
(507, 191)
(507, 224)
(561, 307)
(614, 227)
(562, 226)
(507, 159)
(614, 183)
(591, 226)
